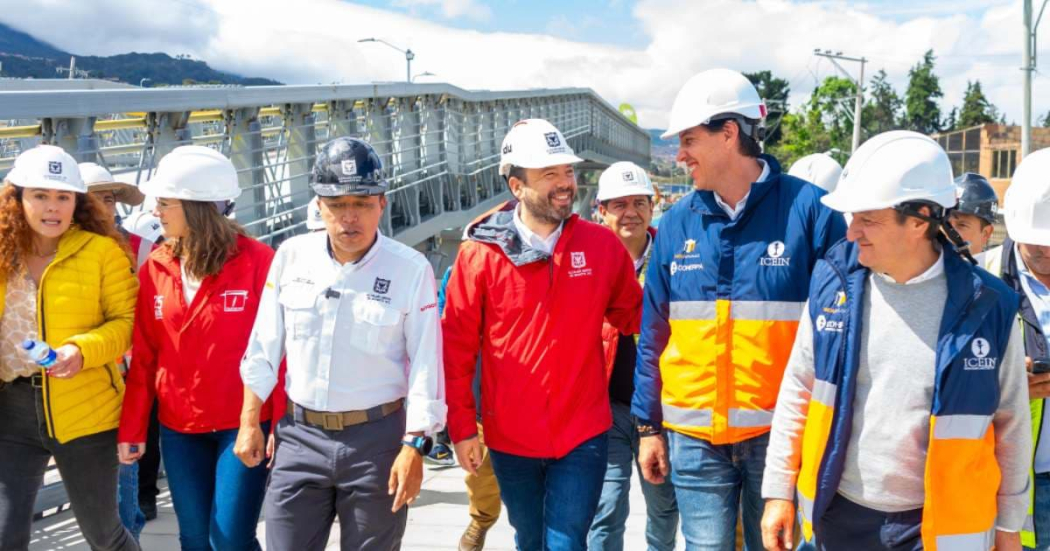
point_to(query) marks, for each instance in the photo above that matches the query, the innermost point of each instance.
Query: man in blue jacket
(723, 295)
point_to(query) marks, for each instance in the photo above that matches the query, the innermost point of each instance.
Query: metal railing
(439, 144)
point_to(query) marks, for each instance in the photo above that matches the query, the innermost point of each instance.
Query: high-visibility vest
(962, 474)
(723, 300)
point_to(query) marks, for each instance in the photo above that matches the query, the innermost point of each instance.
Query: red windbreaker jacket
(188, 356)
(536, 321)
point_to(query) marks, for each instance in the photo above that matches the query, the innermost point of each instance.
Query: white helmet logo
(980, 347)
(775, 249)
(552, 139)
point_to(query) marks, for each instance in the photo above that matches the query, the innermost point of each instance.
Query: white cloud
(318, 44)
(451, 9)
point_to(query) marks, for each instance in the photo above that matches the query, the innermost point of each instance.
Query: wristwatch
(645, 428)
(421, 444)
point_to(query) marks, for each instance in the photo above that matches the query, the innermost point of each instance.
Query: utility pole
(835, 57)
(1028, 65)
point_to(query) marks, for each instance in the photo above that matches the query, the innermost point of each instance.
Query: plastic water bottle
(39, 352)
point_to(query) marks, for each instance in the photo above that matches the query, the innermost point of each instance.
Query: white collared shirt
(645, 254)
(933, 271)
(542, 244)
(357, 335)
(734, 211)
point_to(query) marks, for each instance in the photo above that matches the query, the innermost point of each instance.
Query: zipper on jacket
(112, 382)
(43, 337)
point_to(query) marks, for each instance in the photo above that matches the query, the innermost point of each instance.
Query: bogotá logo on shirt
(579, 260)
(775, 255)
(980, 348)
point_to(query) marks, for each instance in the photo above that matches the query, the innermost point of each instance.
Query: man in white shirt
(356, 313)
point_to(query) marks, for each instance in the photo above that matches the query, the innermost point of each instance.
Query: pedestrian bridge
(440, 144)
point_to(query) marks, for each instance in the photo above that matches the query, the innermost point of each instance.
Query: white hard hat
(1026, 206)
(97, 178)
(144, 225)
(194, 173)
(819, 168)
(710, 93)
(892, 168)
(624, 179)
(313, 215)
(47, 167)
(535, 143)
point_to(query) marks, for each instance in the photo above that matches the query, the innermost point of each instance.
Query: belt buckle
(36, 381)
(332, 421)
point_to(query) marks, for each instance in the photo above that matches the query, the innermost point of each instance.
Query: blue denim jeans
(128, 499)
(1041, 516)
(551, 502)
(217, 499)
(715, 483)
(661, 510)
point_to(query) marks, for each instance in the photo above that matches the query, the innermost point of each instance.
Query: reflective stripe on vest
(697, 360)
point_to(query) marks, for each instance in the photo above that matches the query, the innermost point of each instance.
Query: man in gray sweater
(902, 421)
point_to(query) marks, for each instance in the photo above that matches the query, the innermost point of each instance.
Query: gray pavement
(435, 522)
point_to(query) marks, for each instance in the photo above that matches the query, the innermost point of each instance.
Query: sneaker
(473, 538)
(440, 454)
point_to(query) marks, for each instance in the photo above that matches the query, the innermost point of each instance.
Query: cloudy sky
(636, 51)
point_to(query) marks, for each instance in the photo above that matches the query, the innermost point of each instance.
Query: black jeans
(88, 466)
(850, 526)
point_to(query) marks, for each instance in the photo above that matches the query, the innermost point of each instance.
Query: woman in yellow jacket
(64, 280)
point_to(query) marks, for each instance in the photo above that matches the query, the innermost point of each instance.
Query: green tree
(922, 112)
(1046, 120)
(976, 109)
(823, 123)
(775, 93)
(882, 111)
(951, 122)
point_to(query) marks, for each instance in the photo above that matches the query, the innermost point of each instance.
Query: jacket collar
(497, 227)
(703, 201)
(72, 241)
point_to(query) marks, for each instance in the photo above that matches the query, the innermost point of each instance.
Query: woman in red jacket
(197, 301)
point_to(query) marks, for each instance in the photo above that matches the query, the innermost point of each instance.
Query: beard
(542, 208)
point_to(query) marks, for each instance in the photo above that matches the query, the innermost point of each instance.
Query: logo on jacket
(980, 348)
(824, 324)
(579, 260)
(676, 267)
(381, 286)
(234, 301)
(158, 307)
(690, 246)
(775, 255)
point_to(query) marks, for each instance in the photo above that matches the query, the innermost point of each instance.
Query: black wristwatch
(645, 428)
(421, 444)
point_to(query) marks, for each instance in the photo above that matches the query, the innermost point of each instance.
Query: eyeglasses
(161, 206)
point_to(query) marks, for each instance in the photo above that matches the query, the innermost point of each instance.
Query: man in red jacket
(529, 290)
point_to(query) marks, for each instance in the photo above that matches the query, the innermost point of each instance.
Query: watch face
(427, 445)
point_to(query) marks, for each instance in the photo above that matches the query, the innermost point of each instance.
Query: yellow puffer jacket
(87, 298)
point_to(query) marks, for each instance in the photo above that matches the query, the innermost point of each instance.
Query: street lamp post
(409, 55)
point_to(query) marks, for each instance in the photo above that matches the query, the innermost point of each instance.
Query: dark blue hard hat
(348, 166)
(976, 197)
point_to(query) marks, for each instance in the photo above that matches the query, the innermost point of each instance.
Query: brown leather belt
(342, 419)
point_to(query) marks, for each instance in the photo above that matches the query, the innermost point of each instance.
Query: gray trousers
(88, 466)
(319, 474)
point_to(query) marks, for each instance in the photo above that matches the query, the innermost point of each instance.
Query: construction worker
(902, 421)
(625, 203)
(529, 290)
(356, 313)
(820, 169)
(723, 293)
(1023, 262)
(974, 216)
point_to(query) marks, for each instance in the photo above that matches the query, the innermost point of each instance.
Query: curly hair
(16, 237)
(212, 239)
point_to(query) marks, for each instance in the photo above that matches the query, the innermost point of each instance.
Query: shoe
(149, 510)
(440, 454)
(473, 538)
